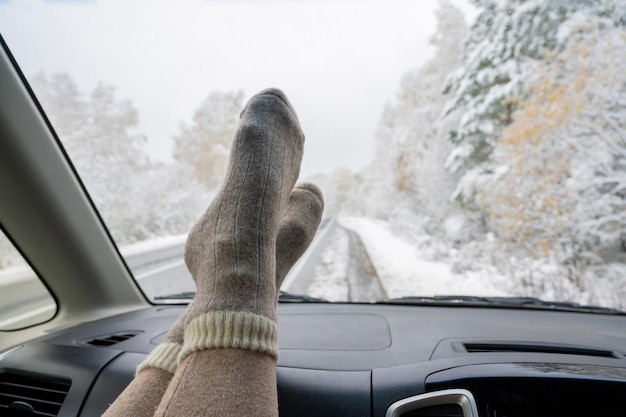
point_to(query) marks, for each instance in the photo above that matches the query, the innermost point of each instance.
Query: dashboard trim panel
(460, 397)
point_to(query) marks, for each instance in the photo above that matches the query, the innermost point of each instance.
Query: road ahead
(359, 280)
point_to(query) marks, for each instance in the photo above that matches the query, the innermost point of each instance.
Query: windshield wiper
(286, 297)
(505, 302)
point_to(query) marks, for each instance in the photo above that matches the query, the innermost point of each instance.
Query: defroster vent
(498, 347)
(30, 395)
(110, 339)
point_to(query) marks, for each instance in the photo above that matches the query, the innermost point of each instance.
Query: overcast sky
(338, 61)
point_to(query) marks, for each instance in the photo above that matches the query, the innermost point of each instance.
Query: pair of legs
(219, 357)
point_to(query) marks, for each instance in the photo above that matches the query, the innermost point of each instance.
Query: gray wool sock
(231, 251)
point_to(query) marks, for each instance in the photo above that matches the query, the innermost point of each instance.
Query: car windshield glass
(464, 148)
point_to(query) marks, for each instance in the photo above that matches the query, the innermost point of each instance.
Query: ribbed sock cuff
(164, 357)
(231, 329)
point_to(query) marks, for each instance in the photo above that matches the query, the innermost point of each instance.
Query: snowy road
(337, 267)
(353, 259)
(363, 282)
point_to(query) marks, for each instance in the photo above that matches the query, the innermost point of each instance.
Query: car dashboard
(356, 360)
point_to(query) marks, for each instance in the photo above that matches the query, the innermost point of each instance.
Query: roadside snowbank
(404, 270)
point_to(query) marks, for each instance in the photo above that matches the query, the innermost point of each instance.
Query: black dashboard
(357, 360)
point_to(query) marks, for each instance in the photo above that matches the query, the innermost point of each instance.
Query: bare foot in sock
(231, 251)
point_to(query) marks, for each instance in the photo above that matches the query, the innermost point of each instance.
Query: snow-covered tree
(205, 144)
(100, 135)
(171, 201)
(137, 197)
(341, 193)
(506, 43)
(559, 188)
(421, 162)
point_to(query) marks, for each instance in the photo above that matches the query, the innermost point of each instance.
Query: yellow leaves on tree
(529, 201)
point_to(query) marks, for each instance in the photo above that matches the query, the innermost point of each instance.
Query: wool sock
(231, 251)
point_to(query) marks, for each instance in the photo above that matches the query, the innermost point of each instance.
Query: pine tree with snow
(506, 43)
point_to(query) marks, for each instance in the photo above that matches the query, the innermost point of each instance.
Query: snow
(404, 270)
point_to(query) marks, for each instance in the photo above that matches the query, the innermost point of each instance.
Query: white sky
(338, 61)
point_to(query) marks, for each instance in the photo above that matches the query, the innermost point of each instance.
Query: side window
(24, 300)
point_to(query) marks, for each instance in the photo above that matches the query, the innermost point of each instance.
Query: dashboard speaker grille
(26, 395)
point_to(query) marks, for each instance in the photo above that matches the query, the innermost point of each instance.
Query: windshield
(466, 148)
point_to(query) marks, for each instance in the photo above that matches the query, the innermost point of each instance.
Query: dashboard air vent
(27, 395)
(493, 347)
(110, 339)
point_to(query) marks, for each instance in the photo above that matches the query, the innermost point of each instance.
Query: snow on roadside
(405, 271)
